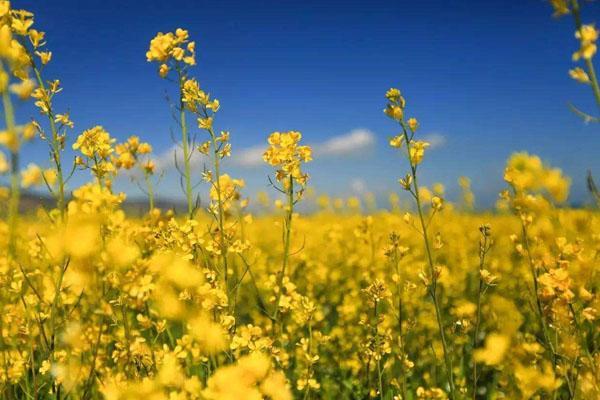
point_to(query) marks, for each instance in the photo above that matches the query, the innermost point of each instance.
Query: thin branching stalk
(55, 144)
(185, 144)
(286, 242)
(538, 301)
(400, 317)
(591, 71)
(379, 355)
(220, 200)
(13, 205)
(484, 246)
(432, 287)
(149, 190)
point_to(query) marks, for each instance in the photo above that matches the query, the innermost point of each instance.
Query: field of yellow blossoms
(432, 302)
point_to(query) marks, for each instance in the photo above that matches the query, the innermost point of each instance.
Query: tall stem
(482, 254)
(150, 190)
(377, 344)
(186, 149)
(55, 146)
(286, 243)
(433, 286)
(591, 71)
(538, 301)
(13, 205)
(221, 216)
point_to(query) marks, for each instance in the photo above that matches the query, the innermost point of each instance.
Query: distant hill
(31, 201)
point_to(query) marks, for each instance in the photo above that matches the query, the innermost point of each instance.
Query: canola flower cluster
(424, 301)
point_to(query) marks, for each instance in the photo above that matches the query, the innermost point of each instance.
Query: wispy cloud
(358, 186)
(356, 141)
(436, 140)
(353, 142)
(166, 160)
(248, 157)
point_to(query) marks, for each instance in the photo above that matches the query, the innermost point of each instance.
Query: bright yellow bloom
(45, 56)
(394, 112)
(94, 141)
(4, 166)
(397, 141)
(285, 153)
(579, 75)
(560, 7)
(23, 89)
(494, 351)
(587, 35)
(417, 151)
(31, 176)
(413, 124)
(229, 190)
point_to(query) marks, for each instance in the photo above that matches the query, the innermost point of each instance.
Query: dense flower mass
(172, 50)
(285, 153)
(422, 299)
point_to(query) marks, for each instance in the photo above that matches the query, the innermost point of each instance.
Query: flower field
(252, 298)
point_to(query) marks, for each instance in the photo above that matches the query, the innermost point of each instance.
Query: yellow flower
(4, 7)
(149, 167)
(587, 35)
(579, 75)
(413, 124)
(163, 70)
(205, 123)
(229, 190)
(94, 141)
(494, 351)
(560, 7)
(63, 119)
(437, 203)
(394, 112)
(23, 89)
(160, 47)
(10, 140)
(530, 379)
(21, 22)
(45, 56)
(50, 176)
(397, 141)
(36, 37)
(393, 94)
(4, 166)
(31, 176)
(285, 153)
(417, 151)
(45, 368)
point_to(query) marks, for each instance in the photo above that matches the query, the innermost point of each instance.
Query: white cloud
(358, 186)
(349, 143)
(436, 140)
(248, 157)
(353, 142)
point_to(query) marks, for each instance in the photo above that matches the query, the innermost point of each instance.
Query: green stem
(150, 190)
(55, 146)
(186, 149)
(433, 286)
(538, 301)
(591, 71)
(286, 243)
(377, 345)
(13, 205)
(221, 216)
(482, 253)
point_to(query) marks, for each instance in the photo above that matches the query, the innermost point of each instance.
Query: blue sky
(484, 78)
